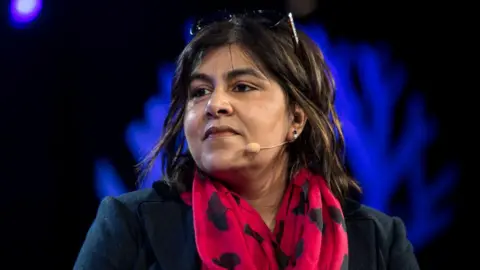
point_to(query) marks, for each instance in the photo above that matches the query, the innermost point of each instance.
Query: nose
(218, 105)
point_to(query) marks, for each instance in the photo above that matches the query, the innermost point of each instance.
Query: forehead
(225, 58)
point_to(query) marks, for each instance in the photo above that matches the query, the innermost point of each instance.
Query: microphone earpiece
(255, 147)
(252, 148)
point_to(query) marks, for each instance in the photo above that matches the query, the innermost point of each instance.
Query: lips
(219, 131)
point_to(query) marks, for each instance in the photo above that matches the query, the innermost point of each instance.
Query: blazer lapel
(169, 229)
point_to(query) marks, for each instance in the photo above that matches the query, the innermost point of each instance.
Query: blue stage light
(23, 12)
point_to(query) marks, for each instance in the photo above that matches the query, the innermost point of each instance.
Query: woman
(261, 184)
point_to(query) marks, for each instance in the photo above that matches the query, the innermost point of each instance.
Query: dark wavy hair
(301, 71)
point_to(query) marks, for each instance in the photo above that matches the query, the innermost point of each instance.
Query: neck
(267, 199)
(263, 189)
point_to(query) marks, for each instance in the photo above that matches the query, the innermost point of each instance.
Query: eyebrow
(232, 74)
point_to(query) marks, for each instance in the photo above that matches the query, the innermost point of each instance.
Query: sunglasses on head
(268, 18)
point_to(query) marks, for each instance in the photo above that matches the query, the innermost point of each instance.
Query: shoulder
(136, 204)
(361, 217)
(123, 211)
(357, 212)
(134, 199)
(128, 210)
(116, 233)
(373, 231)
(125, 204)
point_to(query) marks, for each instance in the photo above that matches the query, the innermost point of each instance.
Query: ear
(298, 120)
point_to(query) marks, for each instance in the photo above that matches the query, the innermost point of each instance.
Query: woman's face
(232, 103)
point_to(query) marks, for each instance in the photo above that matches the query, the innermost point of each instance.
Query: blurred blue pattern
(142, 135)
(107, 180)
(380, 162)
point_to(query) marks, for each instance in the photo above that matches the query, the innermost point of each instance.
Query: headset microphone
(255, 147)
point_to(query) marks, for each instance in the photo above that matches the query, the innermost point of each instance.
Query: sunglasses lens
(265, 17)
(203, 22)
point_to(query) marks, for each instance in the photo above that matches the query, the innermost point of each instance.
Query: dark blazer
(153, 229)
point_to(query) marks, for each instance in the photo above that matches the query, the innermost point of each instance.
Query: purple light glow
(25, 11)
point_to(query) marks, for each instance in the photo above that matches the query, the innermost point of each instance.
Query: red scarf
(310, 230)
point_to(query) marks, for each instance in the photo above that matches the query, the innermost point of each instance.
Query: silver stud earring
(295, 134)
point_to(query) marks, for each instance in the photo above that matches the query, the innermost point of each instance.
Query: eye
(241, 87)
(200, 92)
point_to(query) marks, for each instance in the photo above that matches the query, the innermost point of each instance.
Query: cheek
(266, 121)
(192, 125)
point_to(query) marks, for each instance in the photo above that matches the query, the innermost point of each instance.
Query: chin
(220, 162)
